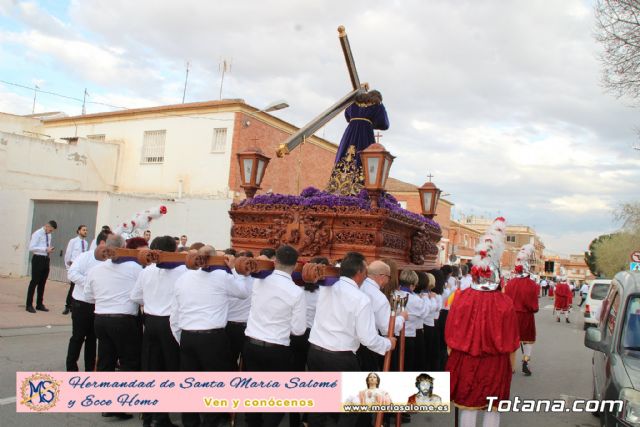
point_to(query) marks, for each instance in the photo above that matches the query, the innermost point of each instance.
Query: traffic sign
(635, 256)
(634, 266)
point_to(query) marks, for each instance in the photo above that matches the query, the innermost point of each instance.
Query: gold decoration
(347, 178)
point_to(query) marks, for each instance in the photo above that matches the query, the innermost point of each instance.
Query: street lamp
(429, 197)
(274, 106)
(253, 164)
(376, 162)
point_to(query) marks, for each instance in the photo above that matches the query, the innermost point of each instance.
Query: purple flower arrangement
(311, 196)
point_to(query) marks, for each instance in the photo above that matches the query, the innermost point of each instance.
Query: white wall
(188, 155)
(19, 125)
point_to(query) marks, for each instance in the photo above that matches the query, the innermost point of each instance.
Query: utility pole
(35, 94)
(186, 77)
(224, 67)
(84, 102)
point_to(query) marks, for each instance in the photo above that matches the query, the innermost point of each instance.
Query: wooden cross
(377, 136)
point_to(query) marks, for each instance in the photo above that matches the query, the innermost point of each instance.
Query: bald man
(378, 275)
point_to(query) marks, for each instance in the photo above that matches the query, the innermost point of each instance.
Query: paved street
(561, 364)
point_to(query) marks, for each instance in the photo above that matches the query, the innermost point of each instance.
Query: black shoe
(30, 309)
(67, 310)
(525, 369)
(567, 319)
(118, 415)
(41, 308)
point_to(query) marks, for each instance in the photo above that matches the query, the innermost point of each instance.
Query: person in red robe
(563, 299)
(482, 336)
(524, 292)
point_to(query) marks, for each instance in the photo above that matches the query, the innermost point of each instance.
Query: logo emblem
(39, 392)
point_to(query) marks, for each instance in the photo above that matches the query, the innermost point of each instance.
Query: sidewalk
(13, 293)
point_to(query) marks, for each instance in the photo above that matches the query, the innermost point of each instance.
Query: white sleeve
(174, 317)
(76, 273)
(382, 313)
(299, 317)
(237, 285)
(137, 293)
(88, 289)
(68, 253)
(35, 242)
(367, 333)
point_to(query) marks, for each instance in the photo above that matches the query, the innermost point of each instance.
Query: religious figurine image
(364, 115)
(373, 394)
(425, 395)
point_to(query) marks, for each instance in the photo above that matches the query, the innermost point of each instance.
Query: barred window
(97, 137)
(511, 238)
(219, 141)
(153, 146)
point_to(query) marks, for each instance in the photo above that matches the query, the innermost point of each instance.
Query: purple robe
(359, 132)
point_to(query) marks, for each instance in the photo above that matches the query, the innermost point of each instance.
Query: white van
(598, 290)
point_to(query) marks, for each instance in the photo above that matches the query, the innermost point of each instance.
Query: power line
(187, 116)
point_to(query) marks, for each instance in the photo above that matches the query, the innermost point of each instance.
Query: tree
(618, 29)
(590, 255)
(612, 255)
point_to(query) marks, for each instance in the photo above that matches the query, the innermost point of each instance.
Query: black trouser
(545, 290)
(235, 332)
(584, 298)
(69, 301)
(300, 350)
(442, 346)
(39, 275)
(118, 341)
(327, 361)
(160, 352)
(204, 351)
(430, 348)
(369, 360)
(261, 356)
(420, 362)
(82, 332)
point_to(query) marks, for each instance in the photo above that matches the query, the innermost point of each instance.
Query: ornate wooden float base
(333, 231)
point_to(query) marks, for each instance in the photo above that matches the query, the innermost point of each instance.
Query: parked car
(597, 291)
(616, 359)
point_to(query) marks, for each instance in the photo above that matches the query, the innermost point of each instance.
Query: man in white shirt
(154, 290)
(183, 244)
(198, 317)
(82, 316)
(41, 247)
(344, 320)
(75, 247)
(278, 310)
(108, 286)
(378, 278)
(584, 292)
(466, 280)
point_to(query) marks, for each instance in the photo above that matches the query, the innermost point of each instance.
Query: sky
(501, 101)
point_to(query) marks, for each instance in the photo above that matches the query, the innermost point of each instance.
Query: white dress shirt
(440, 301)
(416, 308)
(201, 299)
(78, 271)
(38, 244)
(465, 282)
(381, 307)
(344, 320)
(154, 289)
(433, 308)
(311, 300)
(278, 309)
(109, 285)
(75, 247)
(239, 309)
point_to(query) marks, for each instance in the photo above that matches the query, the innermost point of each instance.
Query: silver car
(616, 359)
